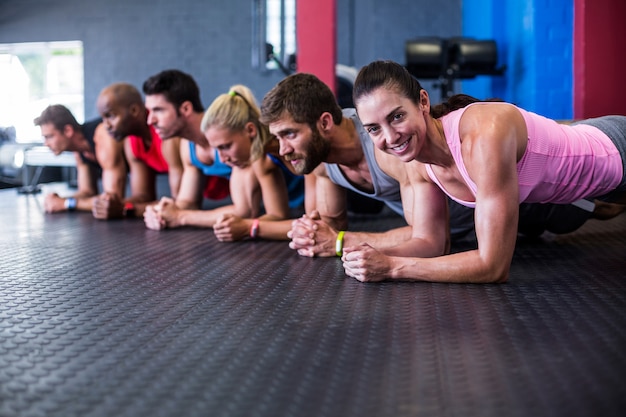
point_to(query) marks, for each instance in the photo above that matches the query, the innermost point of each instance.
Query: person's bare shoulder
(106, 143)
(496, 128)
(170, 149)
(185, 154)
(320, 171)
(101, 134)
(487, 117)
(390, 165)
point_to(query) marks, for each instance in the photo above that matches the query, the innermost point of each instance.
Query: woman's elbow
(497, 275)
(497, 279)
(432, 248)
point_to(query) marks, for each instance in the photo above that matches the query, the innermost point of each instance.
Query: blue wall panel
(478, 22)
(534, 40)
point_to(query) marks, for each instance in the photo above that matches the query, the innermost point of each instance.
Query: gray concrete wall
(212, 40)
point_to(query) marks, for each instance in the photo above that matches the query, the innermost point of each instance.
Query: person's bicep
(86, 183)
(423, 203)
(114, 180)
(174, 180)
(273, 189)
(191, 184)
(243, 189)
(310, 198)
(170, 148)
(171, 151)
(426, 211)
(331, 201)
(496, 219)
(110, 155)
(142, 177)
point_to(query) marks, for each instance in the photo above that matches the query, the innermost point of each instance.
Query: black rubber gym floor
(110, 319)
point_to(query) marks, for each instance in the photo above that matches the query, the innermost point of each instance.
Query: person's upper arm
(87, 184)
(110, 156)
(423, 203)
(273, 188)
(425, 209)
(245, 193)
(310, 198)
(330, 200)
(491, 144)
(192, 182)
(170, 148)
(142, 177)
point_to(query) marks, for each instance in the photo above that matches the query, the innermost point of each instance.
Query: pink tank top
(153, 157)
(561, 163)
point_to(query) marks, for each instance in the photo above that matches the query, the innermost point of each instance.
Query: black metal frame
(450, 59)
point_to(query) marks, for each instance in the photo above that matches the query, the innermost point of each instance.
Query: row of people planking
(464, 165)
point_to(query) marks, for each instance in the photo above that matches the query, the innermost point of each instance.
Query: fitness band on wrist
(70, 203)
(339, 243)
(129, 209)
(254, 230)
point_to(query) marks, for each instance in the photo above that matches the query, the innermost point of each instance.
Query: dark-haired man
(172, 98)
(98, 156)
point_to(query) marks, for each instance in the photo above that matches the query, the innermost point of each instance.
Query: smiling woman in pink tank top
(488, 155)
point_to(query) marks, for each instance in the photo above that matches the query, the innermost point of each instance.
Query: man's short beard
(316, 153)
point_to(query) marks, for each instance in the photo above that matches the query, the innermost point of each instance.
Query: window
(35, 75)
(275, 25)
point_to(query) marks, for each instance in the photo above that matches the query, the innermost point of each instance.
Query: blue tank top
(295, 184)
(218, 169)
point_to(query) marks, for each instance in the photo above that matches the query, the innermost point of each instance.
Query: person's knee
(606, 211)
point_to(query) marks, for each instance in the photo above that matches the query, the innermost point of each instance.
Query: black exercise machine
(450, 59)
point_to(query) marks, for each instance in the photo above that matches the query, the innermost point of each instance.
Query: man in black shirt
(98, 155)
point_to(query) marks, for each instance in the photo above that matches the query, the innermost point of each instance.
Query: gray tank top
(386, 189)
